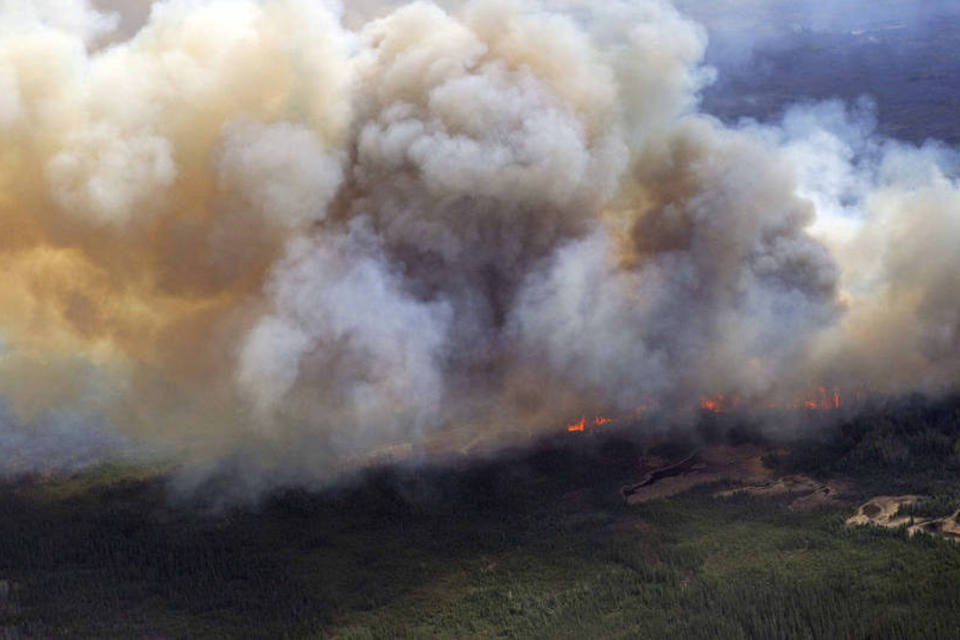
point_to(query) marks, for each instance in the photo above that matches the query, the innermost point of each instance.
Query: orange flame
(714, 404)
(821, 399)
(581, 425)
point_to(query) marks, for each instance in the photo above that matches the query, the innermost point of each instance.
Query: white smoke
(281, 172)
(291, 234)
(345, 345)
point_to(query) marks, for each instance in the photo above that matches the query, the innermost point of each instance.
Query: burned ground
(537, 543)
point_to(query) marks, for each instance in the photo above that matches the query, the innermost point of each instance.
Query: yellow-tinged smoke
(283, 235)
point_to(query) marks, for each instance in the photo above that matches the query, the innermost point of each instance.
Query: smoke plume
(280, 236)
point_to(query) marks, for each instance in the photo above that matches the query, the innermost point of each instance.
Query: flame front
(822, 399)
(581, 425)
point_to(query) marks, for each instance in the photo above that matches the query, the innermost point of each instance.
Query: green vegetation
(909, 446)
(536, 545)
(937, 507)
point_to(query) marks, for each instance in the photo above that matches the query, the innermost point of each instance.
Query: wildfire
(822, 399)
(710, 404)
(582, 424)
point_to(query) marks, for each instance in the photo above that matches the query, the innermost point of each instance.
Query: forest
(534, 543)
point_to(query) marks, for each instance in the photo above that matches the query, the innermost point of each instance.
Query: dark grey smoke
(288, 237)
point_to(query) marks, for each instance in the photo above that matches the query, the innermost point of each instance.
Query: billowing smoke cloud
(278, 236)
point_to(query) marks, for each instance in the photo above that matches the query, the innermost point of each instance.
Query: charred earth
(537, 542)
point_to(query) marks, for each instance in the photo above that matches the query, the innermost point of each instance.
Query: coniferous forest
(538, 543)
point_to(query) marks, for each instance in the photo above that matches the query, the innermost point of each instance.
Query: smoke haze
(278, 236)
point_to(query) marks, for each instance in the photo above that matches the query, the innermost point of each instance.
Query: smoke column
(278, 236)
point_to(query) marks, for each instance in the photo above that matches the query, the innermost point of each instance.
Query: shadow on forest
(105, 552)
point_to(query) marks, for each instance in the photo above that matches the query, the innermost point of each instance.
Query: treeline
(909, 445)
(534, 544)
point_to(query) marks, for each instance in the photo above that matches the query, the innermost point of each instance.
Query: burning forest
(276, 236)
(479, 319)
